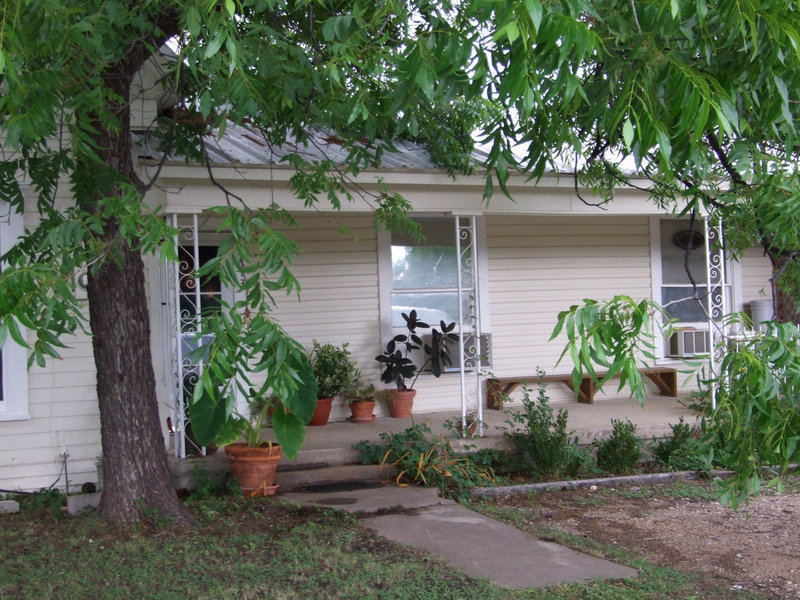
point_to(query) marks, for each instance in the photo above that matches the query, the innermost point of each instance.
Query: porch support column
(716, 303)
(181, 282)
(469, 321)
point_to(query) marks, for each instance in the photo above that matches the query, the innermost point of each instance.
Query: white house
(525, 260)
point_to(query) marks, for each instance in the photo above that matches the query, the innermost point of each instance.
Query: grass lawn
(247, 549)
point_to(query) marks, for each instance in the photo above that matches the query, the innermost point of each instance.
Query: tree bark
(784, 305)
(136, 477)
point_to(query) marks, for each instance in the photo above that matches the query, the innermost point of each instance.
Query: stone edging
(512, 490)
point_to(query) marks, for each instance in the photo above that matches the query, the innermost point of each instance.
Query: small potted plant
(361, 398)
(335, 371)
(254, 461)
(398, 367)
(457, 425)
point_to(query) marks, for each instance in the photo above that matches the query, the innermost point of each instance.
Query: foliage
(334, 369)
(615, 335)
(757, 420)
(209, 486)
(421, 458)
(244, 344)
(756, 423)
(542, 446)
(45, 501)
(683, 450)
(360, 391)
(621, 451)
(460, 427)
(398, 366)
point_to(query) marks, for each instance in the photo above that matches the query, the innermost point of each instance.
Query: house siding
(539, 266)
(62, 402)
(756, 270)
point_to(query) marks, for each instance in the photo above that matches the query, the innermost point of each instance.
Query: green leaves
(757, 421)
(615, 335)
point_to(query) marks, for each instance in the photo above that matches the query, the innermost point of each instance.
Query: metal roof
(242, 145)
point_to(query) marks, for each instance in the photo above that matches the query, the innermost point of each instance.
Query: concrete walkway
(478, 545)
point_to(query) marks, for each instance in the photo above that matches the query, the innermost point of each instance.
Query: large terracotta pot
(254, 468)
(362, 411)
(400, 406)
(321, 413)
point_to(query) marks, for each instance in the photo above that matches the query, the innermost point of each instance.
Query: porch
(327, 455)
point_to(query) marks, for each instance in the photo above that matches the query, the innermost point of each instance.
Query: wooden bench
(497, 388)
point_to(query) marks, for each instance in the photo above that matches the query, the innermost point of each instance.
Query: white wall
(539, 266)
(756, 270)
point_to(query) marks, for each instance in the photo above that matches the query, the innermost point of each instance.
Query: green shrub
(427, 460)
(621, 451)
(543, 448)
(45, 500)
(207, 485)
(682, 451)
(334, 369)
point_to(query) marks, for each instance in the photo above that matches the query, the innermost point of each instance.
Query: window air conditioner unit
(453, 348)
(688, 342)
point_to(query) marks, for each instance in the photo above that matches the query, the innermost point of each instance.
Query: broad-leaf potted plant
(398, 368)
(334, 372)
(254, 462)
(361, 399)
(243, 345)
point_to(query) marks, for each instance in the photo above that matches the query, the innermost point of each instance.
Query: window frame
(386, 279)
(14, 358)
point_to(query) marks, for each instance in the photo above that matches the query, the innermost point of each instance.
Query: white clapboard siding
(756, 270)
(62, 403)
(338, 274)
(64, 414)
(539, 266)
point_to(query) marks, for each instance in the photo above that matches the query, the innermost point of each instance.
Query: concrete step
(308, 468)
(301, 478)
(322, 457)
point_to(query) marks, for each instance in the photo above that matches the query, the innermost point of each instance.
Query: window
(14, 368)
(673, 286)
(422, 275)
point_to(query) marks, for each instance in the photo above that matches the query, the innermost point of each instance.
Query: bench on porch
(665, 378)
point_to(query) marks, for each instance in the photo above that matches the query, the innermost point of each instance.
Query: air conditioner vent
(688, 342)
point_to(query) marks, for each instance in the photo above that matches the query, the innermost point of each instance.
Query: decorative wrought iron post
(182, 311)
(716, 304)
(469, 321)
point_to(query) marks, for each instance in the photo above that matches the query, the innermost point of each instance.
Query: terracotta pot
(254, 468)
(400, 406)
(361, 411)
(321, 413)
(471, 428)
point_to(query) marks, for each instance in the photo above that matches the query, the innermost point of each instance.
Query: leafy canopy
(697, 99)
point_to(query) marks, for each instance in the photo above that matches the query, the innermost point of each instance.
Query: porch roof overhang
(257, 173)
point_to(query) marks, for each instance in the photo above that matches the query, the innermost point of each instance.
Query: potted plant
(361, 398)
(457, 425)
(254, 462)
(398, 367)
(334, 371)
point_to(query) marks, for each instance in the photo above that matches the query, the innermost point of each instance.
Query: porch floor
(589, 421)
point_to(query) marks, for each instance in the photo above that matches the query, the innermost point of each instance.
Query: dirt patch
(756, 548)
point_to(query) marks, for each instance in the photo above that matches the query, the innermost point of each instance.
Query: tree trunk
(785, 306)
(136, 476)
